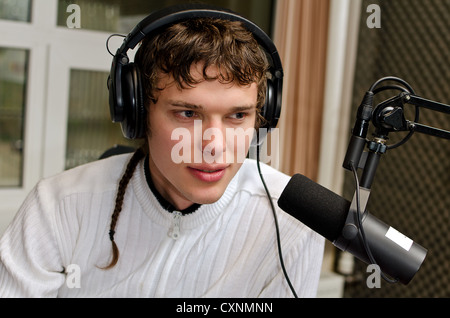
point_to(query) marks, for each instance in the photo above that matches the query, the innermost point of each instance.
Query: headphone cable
(277, 228)
(109, 38)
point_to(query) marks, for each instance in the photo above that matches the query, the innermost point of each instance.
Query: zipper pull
(175, 231)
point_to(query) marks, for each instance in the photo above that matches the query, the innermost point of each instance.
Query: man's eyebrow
(185, 105)
(243, 108)
(200, 107)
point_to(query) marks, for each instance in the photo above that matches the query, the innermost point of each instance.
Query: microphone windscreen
(317, 207)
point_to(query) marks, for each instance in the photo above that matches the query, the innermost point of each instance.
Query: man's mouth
(207, 174)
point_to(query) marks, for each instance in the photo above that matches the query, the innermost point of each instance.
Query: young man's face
(198, 137)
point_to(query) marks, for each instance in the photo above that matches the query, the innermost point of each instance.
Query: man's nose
(213, 142)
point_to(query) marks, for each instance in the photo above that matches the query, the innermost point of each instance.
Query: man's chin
(207, 198)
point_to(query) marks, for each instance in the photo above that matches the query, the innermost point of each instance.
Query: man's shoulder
(276, 182)
(250, 178)
(98, 176)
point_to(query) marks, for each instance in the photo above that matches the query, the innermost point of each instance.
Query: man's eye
(241, 115)
(187, 113)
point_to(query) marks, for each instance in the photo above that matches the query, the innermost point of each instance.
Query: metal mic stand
(387, 117)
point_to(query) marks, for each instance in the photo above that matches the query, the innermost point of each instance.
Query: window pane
(90, 131)
(122, 15)
(16, 10)
(13, 78)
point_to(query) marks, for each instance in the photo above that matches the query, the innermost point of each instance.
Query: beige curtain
(301, 38)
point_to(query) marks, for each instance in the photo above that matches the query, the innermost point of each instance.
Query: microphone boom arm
(389, 116)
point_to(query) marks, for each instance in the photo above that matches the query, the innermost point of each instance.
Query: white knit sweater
(59, 239)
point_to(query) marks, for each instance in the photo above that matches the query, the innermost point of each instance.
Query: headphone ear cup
(133, 125)
(269, 106)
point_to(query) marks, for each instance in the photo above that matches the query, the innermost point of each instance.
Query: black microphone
(325, 212)
(359, 132)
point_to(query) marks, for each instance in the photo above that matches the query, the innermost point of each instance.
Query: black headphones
(124, 82)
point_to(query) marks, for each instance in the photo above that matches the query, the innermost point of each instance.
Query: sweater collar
(166, 205)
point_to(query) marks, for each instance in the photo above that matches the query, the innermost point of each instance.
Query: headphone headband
(161, 19)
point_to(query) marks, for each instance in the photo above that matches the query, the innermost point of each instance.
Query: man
(178, 228)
